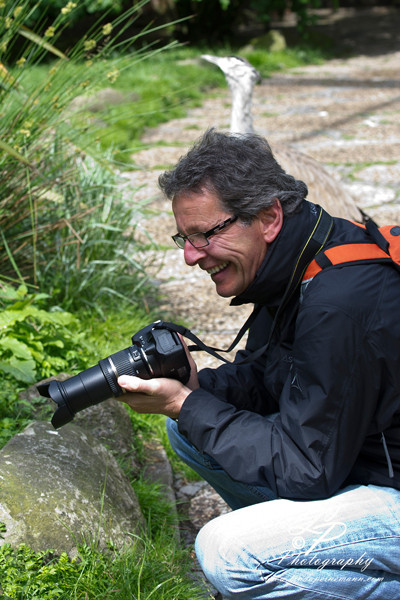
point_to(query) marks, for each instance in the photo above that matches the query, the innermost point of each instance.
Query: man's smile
(217, 269)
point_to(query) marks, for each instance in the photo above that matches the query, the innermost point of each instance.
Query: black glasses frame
(180, 239)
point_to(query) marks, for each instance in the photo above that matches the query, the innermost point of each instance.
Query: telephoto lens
(155, 352)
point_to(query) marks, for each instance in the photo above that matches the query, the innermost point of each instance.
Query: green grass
(153, 566)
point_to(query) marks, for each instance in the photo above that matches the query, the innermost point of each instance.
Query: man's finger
(136, 384)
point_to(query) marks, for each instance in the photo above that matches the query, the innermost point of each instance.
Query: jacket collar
(274, 273)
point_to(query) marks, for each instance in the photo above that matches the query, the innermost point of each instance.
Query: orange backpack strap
(386, 247)
(391, 233)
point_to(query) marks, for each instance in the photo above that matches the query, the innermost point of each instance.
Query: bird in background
(323, 188)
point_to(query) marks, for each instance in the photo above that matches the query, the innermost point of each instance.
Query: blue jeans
(346, 547)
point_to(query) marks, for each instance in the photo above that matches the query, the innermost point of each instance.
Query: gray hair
(240, 169)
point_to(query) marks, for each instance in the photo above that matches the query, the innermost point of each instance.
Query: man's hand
(159, 395)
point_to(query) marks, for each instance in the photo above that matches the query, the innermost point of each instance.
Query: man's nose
(192, 255)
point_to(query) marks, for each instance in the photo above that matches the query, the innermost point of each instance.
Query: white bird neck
(241, 119)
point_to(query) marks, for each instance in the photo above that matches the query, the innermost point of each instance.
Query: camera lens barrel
(78, 392)
(129, 361)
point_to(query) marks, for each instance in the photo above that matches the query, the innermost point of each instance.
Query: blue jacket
(329, 382)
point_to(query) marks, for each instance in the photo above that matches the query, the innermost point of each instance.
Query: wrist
(178, 402)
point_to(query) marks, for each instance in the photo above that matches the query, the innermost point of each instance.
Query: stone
(273, 41)
(157, 469)
(110, 423)
(100, 100)
(61, 488)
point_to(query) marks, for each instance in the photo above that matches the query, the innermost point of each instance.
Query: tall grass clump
(65, 226)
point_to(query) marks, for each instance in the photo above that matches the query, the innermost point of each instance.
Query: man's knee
(223, 556)
(215, 553)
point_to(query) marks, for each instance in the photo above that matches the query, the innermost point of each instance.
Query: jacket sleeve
(307, 450)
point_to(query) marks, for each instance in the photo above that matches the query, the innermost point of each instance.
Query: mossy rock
(61, 488)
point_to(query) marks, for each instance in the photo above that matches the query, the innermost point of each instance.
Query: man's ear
(271, 221)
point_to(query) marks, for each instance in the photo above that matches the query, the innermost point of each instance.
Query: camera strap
(200, 345)
(313, 245)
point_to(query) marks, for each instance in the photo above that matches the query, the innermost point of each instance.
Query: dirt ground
(344, 113)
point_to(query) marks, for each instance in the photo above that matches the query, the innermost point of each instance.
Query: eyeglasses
(200, 240)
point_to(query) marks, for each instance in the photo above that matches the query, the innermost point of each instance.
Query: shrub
(64, 223)
(36, 343)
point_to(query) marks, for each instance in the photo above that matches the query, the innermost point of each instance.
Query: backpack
(383, 247)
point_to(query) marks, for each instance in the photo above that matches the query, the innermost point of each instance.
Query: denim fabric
(346, 547)
(236, 494)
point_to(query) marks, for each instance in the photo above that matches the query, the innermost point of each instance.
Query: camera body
(156, 351)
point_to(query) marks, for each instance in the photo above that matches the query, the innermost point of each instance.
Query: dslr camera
(156, 351)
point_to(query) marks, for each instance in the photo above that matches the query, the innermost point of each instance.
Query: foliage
(266, 9)
(64, 222)
(203, 21)
(139, 95)
(86, 6)
(147, 569)
(14, 416)
(36, 343)
(221, 21)
(77, 240)
(157, 509)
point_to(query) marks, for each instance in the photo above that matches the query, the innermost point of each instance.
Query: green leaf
(8, 292)
(22, 370)
(33, 37)
(15, 346)
(56, 343)
(10, 150)
(8, 318)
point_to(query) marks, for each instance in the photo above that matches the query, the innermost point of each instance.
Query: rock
(205, 506)
(61, 488)
(157, 469)
(110, 424)
(273, 41)
(99, 101)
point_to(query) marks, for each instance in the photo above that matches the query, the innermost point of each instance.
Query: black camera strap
(313, 245)
(200, 345)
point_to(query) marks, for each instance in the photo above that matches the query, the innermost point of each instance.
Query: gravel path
(345, 114)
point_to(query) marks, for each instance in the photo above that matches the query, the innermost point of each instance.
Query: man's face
(233, 255)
